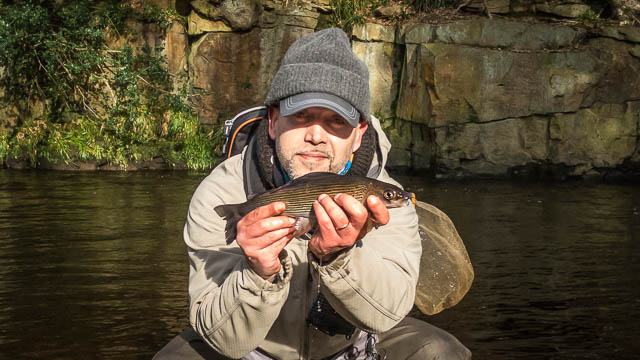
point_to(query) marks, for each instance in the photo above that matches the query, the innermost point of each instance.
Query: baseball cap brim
(298, 102)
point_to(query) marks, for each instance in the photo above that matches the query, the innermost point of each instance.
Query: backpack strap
(253, 183)
(240, 129)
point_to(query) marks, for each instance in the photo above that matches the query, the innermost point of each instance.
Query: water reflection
(92, 265)
(555, 269)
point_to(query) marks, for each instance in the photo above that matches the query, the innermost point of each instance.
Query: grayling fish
(299, 195)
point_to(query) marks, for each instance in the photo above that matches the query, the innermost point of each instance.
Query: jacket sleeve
(231, 307)
(373, 284)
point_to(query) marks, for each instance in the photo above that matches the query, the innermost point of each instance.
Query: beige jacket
(236, 311)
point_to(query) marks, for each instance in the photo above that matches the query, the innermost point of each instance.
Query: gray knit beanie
(323, 62)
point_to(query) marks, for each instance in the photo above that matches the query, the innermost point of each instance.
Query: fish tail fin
(224, 211)
(230, 214)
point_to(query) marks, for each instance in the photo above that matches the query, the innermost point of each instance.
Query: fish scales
(299, 200)
(300, 194)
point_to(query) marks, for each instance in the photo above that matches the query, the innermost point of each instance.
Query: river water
(92, 265)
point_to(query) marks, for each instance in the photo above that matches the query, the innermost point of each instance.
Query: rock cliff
(468, 97)
(511, 95)
(499, 97)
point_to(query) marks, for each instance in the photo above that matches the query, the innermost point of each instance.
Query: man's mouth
(313, 156)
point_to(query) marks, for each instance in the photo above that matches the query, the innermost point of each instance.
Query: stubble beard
(287, 161)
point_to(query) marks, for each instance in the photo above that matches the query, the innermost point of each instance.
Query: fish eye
(388, 194)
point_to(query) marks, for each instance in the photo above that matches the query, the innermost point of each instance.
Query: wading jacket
(372, 285)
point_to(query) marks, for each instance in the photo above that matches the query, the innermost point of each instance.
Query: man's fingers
(262, 235)
(355, 211)
(322, 217)
(332, 233)
(279, 245)
(263, 212)
(379, 212)
(266, 261)
(272, 247)
(336, 215)
(265, 226)
(251, 245)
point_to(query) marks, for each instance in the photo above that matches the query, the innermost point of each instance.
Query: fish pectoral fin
(303, 225)
(370, 225)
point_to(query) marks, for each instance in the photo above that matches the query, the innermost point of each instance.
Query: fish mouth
(407, 198)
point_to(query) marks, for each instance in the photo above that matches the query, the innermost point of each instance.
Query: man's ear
(362, 127)
(273, 113)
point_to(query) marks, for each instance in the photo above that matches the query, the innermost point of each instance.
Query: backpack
(240, 129)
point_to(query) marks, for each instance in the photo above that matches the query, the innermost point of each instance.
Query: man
(269, 295)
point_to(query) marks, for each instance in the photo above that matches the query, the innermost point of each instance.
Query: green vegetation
(348, 13)
(589, 16)
(425, 5)
(4, 145)
(82, 99)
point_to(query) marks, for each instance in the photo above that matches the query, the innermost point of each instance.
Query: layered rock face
(471, 97)
(499, 97)
(235, 54)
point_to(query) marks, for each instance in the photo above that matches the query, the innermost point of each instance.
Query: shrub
(348, 13)
(100, 104)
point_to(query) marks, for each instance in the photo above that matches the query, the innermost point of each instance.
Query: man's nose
(315, 134)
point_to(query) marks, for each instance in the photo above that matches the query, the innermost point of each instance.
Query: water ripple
(93, 264)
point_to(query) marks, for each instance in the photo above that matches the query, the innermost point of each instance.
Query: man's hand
(262, 235)
(342, 221)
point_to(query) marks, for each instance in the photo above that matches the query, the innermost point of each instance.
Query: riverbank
(540, 90)
(537, 173)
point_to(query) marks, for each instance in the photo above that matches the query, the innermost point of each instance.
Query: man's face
(314, 139)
